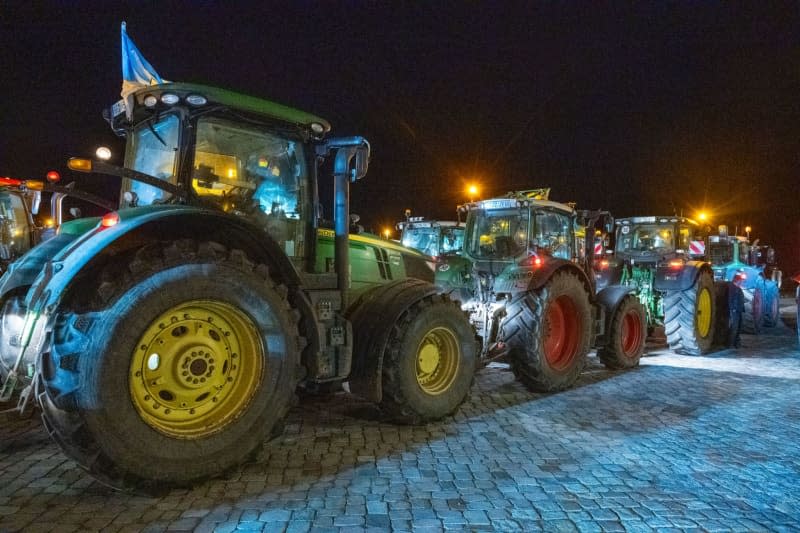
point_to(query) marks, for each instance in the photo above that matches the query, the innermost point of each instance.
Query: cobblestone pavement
(679, 444)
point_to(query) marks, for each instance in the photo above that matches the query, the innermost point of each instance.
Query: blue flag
(136, 71)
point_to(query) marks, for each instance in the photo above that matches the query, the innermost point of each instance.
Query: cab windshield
(720, 252)
(14, 228)
(658, 238)
(434, 241)
(452, 240)
(153, 150)
(499, 234)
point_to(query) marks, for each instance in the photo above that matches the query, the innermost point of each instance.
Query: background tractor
(525, 277)
(185, 320)
(19, 203)
(435, 238)
(752, 269)
(663, 260)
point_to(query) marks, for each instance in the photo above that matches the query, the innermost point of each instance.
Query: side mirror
(352, 156)
(360, 162)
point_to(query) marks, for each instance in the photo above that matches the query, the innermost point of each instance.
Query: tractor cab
(436, 238)
(18, 231)
(524, 227)
(228, 152)
(657, 239)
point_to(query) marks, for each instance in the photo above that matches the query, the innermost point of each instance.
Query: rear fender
(84, 259)
(679, 279)
(542, 275)
(609, 300)
(373, 316)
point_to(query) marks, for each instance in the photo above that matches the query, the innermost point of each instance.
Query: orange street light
(387, 233)
(473, 192)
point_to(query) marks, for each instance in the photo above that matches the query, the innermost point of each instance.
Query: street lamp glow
(472, 189)
(387, 233)
(702, 215)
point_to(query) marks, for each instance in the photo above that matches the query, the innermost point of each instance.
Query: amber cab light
(110, 219)
(80, 164)
(34, 185)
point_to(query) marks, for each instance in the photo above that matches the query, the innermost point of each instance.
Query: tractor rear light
(532, 261)
(53, 176)
(13, 182)
(110, 219)
(603, 264)
(739, 277)
(676, 263)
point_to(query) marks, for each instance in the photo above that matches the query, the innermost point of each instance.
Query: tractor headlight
(12, 322)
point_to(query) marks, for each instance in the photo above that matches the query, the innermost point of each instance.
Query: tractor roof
(655, 219)
(250, 104)
(509, 203)
(422, 223)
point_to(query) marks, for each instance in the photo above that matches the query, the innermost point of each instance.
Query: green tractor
(435, 238)
(443, 240)
(526, 279)
(165, 341)
(663, 260)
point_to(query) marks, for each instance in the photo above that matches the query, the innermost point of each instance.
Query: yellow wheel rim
(704, 312)
(196, 368)
(437, 361)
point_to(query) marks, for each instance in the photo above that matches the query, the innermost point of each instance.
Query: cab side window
(553, 233)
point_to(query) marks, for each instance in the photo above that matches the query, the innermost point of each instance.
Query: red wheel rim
(631, 333)
(561, 331)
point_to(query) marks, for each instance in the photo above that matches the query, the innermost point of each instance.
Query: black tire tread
(608, 354)
(394, 401)
(679, 318)
(521, 331)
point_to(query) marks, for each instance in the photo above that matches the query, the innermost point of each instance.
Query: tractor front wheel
(183, 374)
(689, 317)
(429, 362)
(548, 333)
(626, 336)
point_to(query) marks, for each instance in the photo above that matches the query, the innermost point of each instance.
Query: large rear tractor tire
(753, 316)
(627, 335)
(184, 372)
(772, 306)
(730, 306)
(548, 333)
(689, 317)
(429, 362)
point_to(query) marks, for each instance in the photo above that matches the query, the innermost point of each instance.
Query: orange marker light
(53, 176)
(110, 219)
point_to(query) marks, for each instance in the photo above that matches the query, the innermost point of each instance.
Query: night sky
(638, 108)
